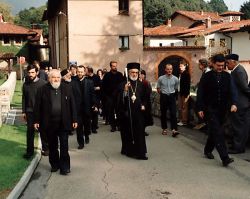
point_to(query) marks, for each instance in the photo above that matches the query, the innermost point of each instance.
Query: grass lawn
(2, 81)
(17, 98)
(12, 165)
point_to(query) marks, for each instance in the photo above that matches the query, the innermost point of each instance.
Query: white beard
(55, 85)
(133, 78)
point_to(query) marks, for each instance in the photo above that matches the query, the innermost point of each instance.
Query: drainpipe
(231, 41)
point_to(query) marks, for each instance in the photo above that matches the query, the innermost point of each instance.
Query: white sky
(234, 5)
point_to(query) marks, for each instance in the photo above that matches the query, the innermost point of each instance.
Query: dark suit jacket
(240, 78)
(185, 82)
(42, 110)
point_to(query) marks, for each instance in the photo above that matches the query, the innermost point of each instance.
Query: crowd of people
(57, 103)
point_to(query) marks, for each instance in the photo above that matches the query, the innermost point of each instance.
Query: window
(18, 41)
(123, 42)
(222, 42)
(6, 41)
(171, 44)
(211, 43)
(160, 44)
(123, 7)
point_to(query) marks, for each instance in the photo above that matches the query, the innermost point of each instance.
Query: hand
(36, 126)
(97, 88)
(126, 87)
(24, 117)
(143, 108)
(75, 125)
(201, 114)
(95, 109)
(233, 108)
(186, 99)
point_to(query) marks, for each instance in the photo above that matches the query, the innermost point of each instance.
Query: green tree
(5, 9)
(32, 18)
(218, 6)
(245, 8)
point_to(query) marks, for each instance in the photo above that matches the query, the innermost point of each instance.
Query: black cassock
(132, 119)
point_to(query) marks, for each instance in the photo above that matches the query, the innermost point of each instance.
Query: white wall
(155, 42)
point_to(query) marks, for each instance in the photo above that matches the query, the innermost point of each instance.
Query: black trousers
(216, 132)
(30, 135)
(83, 128)
(111, 111)
(168, 102)
(239, 121)
(94, 120)
(60, 160)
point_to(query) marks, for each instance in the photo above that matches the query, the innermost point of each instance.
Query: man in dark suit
(218, 85)
(239, 118)
(84, 93)
(55, 112)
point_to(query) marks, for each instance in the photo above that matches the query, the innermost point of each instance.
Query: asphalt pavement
(176, 169)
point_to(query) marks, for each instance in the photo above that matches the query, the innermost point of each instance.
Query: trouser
(57, 160)
(216, 137)
(183, 109)
(240, 128)
(94, 120)
(168, 102)
(111, 111)
(30, 135)
(83, 129)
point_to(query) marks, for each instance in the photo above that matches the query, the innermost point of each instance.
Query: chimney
(202, 13)
(169, 23)
(208, 22)
(1, 18)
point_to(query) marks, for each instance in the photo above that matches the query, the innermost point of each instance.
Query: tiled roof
(36, 37)
(231, 13)
(9, 28)
(165, 30)
(196, 16)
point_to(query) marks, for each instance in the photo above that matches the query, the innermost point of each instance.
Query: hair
(81, 66)
(90, 69)
(143, 72)
(99, 71)
(168, 65)
(54, 71)
(203, 62)
(32, 66)
(73, 66)
(112, 62)
(218, 58)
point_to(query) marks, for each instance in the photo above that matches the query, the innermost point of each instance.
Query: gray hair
(53, 72)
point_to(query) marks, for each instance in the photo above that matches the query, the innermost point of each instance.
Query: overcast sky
(18, 5)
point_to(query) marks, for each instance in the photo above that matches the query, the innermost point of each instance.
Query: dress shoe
(142, 158)
(175, 133)
(146, 134)
(227, 161)
(64, 172)
(94, 131)
(86, 140)
(209, 155)
(27, 156)
(45, 153)
(80, 146)
(113, 129)
(54, 169)
(234, 151)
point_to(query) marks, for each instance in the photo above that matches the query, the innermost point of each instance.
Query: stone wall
(6, 93)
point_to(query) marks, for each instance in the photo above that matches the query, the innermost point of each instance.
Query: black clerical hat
(133, 65)
(64, 72)
(233, 57)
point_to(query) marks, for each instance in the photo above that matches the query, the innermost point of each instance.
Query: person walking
(131, 107)
(239, 118)
(219, 86)
(55, 112)
(29, 90)
(167, 86)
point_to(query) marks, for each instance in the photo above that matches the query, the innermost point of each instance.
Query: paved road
(176, 169)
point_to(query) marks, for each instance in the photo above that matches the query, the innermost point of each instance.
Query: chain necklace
(133, 97)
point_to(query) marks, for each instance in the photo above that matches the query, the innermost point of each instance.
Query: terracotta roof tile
(231, 13)
(8, 28)
(196, 16)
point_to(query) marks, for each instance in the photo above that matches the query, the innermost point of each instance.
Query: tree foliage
(245, 8)
(32, 18)
(5, 10)
(156, 12)
(218, 6)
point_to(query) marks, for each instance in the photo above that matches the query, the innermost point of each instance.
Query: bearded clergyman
(131, 105)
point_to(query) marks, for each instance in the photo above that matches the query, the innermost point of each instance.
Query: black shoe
(86, 140)
(71, 133)
(146, 134)
(54, 169)
(81, 146)
(234, 151)
(227, 161)
(45, 153)
(94, 131)
(64, 172)
(113, 129)
(209, 155)
(27, 156)
(142, 158)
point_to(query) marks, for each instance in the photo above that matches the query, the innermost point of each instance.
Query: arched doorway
(174, 61)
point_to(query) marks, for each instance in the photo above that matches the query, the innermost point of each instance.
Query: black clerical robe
(132, 119)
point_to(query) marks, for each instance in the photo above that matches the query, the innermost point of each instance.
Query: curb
(21, 185)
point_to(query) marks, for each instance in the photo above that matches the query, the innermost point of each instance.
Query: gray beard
(55, 85)
(133, 78)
